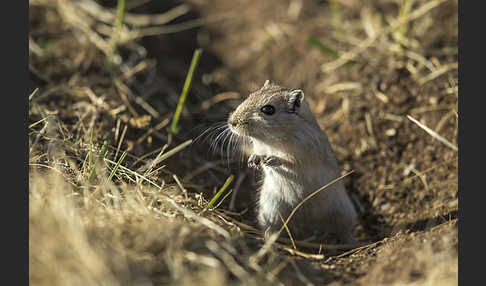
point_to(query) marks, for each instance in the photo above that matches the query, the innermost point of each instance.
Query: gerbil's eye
(268, 109)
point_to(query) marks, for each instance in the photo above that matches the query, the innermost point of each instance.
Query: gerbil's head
(272, 114)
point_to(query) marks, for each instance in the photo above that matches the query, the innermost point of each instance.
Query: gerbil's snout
(234, 122)
(237, 124)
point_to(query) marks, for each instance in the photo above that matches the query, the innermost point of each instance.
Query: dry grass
(81, 240)
(140, 229)
(139, 223)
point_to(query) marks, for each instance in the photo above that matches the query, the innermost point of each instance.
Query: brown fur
(305, 159)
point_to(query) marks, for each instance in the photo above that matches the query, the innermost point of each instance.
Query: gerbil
(287, 143)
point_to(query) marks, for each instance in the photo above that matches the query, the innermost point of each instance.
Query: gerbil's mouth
(238, 126)
(238, 129)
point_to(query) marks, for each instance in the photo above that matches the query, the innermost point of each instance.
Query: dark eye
(268, 109)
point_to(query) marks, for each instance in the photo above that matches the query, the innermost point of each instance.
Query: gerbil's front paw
(271, 161)
(254, 161)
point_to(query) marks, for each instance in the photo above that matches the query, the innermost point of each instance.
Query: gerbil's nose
(231, 120)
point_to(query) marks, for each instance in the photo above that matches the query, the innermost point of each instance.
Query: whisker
(212, 128)
(242, 145)
(228, 147)
(223, 141)
(214, 144)
(233, 143)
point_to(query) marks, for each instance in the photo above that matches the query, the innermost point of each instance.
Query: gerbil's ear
(267, 83)
(295, 99)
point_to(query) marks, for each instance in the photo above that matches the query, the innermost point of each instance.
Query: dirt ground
(379, 66)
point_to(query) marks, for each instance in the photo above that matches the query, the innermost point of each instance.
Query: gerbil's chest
(282, 184)
(283, 180)
(266, 150)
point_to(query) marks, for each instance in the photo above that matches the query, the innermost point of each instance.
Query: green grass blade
(218, 194)
(120, 14)
(117, 165)
(325, 49)
(101, 156)
(185, 91)
(90, 160)
(104, 149)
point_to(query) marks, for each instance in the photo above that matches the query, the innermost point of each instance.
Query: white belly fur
(329, 211)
